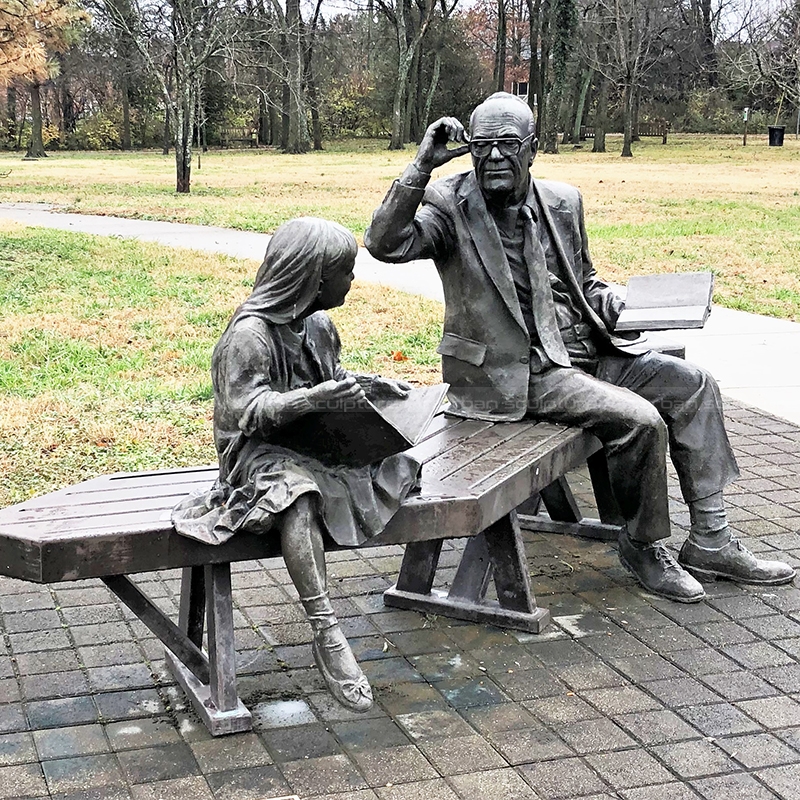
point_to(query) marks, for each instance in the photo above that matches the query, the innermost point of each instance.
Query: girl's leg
(304, 555)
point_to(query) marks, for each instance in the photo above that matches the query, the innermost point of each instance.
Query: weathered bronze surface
(529, 333)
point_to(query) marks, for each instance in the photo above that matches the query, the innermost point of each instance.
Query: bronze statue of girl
(278, 360)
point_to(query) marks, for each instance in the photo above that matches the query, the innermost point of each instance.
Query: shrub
(711, 111)
(98, 132)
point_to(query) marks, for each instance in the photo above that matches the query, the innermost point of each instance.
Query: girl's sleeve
(246, 392)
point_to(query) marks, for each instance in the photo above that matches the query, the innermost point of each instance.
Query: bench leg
(216, 702)
(474, 572)
(192, 616)
(565, 515)
(560, 502)
(419, 566)
(498, 551)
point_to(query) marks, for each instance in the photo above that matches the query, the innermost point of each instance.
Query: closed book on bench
(665, 302)
(357, 434)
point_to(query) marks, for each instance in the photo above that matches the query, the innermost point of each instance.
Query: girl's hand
(387, 388)
(336, 391)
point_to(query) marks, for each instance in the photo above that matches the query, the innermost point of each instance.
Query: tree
(632, 31)
(32, 34)
(196, 30)
(564, 25)
(767, 59)
(410, 29)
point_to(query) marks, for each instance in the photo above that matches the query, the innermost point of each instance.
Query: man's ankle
(711, 540)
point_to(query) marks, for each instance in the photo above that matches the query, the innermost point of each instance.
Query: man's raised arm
(400, 232)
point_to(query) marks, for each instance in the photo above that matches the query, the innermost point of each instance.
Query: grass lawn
(105, 347)
(700, 202)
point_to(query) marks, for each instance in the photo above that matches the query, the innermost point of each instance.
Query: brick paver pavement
(625, 696)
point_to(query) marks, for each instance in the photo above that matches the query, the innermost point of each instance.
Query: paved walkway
(752, 357)
(625, 697)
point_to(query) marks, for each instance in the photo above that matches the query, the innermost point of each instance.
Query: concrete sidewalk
(752, 357)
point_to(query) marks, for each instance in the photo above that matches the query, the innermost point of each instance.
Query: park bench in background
(659, 128)
(241, 135)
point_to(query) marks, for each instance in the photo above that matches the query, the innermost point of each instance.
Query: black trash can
(776, 135)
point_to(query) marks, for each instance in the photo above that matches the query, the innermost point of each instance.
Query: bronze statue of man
(528, 333)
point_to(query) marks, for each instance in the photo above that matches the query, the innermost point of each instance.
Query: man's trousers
(636, 405)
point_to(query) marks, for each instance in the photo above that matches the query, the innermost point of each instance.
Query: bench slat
(489, 467)
(449, 464)
(183, 475)
(80, 527)
(441, 443)
(91, 515)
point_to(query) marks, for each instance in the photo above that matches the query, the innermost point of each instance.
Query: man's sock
(709, 522)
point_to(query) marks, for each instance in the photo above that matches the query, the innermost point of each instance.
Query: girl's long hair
(300, 255)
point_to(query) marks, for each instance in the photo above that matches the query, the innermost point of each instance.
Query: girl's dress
(255, 361)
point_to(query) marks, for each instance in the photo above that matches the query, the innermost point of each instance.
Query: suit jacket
(486, 347)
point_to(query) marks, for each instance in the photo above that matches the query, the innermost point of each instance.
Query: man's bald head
(502, 107)
(503, 147)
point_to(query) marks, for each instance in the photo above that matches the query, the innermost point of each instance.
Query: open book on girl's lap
(357, 434)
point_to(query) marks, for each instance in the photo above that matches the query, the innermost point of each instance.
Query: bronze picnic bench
(475, 476)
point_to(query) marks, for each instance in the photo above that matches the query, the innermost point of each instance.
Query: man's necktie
(544, 310)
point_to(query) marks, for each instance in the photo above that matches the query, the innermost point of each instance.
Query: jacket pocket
(463, 349)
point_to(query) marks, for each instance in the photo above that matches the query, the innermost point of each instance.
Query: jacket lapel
(576, 290)
(482, 229)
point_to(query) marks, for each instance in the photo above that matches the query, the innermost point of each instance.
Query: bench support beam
(565, 515)
(160, 624)
(206, 592)
(496, 552)
(209, 681)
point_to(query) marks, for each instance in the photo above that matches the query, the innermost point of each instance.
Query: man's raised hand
(433, 151)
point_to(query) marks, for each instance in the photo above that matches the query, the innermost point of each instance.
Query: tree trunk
(316, 125)
(709, 53)
(404, 59)
(398, 106)
(285, 93)
(635, 116)
(263, 117)
(536, 66)
(627, 120)
(124, 91)
(563, 28)
(11, 114)
(184, 128)
(411, 96)
(36, 144)
(544, 122)
(165, 142)
(297, 140)
(426, 114)
(500, 47)
(275, 123)
(581, 105)
(601, 117)
(416, 131)
(310, 79)
(69, 116)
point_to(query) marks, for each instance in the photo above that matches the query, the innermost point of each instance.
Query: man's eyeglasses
(480, 148)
